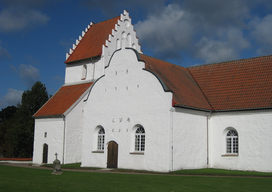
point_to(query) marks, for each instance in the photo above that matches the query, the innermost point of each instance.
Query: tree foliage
(19, 133)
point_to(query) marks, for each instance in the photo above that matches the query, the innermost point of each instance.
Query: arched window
(140, 139)
(128, 40)
(232, 142)
(101, 139)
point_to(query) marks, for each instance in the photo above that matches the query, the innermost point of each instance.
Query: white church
(120, 108)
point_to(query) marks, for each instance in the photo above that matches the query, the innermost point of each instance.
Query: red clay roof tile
(234, 85)
(91, 44)
(177, 79)
(63, 99)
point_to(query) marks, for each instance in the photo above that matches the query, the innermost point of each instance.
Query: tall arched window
(140, 139)
(232, 142)
(101, 139)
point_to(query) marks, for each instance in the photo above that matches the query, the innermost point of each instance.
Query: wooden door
(45, 153)
(112, 155)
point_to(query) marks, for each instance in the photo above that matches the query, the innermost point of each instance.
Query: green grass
(222, 172)
(214, 172)
(26, 179)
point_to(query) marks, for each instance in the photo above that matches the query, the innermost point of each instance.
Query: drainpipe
(64, 122)
(171, 139)
(208, 118)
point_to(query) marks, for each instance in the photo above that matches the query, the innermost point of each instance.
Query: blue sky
(35, 35)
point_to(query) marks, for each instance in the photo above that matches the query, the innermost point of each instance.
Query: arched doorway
(45, 153)
(112, 155)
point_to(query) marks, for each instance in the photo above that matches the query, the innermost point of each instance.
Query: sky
(36, 35)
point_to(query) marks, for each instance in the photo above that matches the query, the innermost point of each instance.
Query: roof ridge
(163, 61)
(200, 89)
(232, 61)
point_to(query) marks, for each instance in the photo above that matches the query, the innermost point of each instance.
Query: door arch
(112, 161)
(45, 153)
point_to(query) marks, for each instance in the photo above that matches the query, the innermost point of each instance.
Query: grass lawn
(26, 179)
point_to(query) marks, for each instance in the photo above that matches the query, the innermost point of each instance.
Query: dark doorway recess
(45, 153)
(112, 155)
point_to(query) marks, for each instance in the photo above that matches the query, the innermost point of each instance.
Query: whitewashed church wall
(189, 139)
(48, 131)
(128, 96)
(75, 73)
(73, 131)
(254, 137)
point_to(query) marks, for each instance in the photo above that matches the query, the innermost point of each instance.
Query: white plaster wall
(54, 128)
(189, 139)
(73, 133)
(254, 132)
(73, 72)
(127, 96)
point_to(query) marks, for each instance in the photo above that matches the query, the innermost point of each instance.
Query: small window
(118, 44)
(232, 142)
(101, 139)
(84, 72)
(140, 139)
(45, 134)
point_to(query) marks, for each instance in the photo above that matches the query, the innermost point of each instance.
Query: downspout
(171, 139)
(64, 122)
(208, 117)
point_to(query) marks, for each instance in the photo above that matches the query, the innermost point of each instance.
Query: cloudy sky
(35, 35)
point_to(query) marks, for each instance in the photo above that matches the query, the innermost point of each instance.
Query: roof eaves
(90, 58)
(194, 108)
(48, 116)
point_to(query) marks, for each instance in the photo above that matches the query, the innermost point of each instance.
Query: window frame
(139, 140)
(231, 142)
(101, 139)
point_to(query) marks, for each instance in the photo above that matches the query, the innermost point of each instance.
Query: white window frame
(101, 139)
(232, 142)
(139, 145)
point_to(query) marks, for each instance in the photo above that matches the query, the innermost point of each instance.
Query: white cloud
(29, 74)
(225, 48)
(261, 32)
(209, 30)
(166, 33)
(18, 18)
(12, 97)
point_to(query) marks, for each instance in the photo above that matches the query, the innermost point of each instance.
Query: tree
(23, 132)
(7, 122)
(7, 113)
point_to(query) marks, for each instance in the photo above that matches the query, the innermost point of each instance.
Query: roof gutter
(224, 110)
(193, 108)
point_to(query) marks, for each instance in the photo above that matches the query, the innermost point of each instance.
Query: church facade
(120, 108)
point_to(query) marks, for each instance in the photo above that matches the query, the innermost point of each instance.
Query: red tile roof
(242, 84)
(91, 44)
(177, 79)
(63, 99)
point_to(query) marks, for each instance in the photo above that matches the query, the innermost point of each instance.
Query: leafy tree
(7, 122)
(7, 113)
(23, 132)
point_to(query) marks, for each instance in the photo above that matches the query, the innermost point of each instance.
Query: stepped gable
(62, 100)
(90, 43)
(177, 79)
(236, 85)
